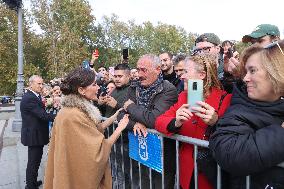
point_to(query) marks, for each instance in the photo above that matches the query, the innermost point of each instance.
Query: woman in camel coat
(78, 151)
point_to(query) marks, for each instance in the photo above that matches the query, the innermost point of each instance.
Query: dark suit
(34, 133)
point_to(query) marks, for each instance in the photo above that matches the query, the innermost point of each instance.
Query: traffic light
(13, 4)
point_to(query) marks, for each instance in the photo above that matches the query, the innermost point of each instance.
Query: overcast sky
(229, 19)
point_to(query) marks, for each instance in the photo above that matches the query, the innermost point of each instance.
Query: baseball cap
(261, 31)
(209, 37)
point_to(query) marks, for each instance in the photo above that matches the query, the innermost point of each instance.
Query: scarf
(144, 94)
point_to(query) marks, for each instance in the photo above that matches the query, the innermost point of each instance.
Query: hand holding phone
(111, 70)
(95, 56)
(194, 93)
(182, 114)
(85, 64)
(230, 53)
(125, 54)
(206, 112)
(96, 53)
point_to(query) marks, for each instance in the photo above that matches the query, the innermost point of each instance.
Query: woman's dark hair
(79, 77)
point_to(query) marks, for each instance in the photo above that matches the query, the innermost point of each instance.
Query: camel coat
(78, 152)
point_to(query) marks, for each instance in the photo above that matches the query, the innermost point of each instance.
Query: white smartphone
(194, 92)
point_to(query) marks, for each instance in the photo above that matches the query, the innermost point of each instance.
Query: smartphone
(85, 64)
(96, 53)
(111, 70)
(125, 54)
(230, 53)
(104, 93)
(194, 92)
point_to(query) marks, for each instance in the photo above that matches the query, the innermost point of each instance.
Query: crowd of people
(241, 115)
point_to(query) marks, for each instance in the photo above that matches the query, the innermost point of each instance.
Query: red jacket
(195, 128)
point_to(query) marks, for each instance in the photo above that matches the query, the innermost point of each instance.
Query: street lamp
(17, 6)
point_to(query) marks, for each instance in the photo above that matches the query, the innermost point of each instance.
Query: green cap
(209, 37)
(261, 31)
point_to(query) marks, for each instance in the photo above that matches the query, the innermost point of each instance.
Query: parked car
(5, 99)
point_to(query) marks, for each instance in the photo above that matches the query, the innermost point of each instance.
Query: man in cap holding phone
(263, 35)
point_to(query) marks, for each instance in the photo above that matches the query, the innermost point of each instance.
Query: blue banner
(146, 150)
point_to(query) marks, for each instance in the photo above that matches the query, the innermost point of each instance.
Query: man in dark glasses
(210, 43)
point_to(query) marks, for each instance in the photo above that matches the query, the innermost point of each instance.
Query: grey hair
(32, 78)
(153, 58)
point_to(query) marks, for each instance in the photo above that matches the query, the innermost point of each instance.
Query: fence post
(150, 177)
(177, 164)
(219, 179)
(247, 182)
(195, 167)
(162, 161)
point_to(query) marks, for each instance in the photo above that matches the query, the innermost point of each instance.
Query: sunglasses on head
(271, 45)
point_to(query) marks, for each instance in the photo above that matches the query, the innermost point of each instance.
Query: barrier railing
(123, 179)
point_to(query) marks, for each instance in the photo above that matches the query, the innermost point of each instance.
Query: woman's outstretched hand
(123, 122)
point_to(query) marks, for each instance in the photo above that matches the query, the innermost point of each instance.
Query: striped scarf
(144, 94)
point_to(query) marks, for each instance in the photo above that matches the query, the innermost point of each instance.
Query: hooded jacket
(249, 140)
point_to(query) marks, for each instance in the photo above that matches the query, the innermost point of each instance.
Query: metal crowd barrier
(118, 149)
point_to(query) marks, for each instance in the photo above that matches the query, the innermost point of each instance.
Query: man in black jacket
(151, 97)
(114, 102)
(179, 69)
(167, 68)
(35, 131)
(117, 98)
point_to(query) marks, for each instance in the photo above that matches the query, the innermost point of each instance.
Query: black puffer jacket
(249, 140)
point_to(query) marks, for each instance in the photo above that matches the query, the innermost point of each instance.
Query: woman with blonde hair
(78, 151)
(249, 138)
(179, 118)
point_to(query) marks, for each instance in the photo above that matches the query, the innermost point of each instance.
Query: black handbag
(206, 164)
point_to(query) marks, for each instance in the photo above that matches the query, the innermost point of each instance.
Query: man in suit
(35, 131)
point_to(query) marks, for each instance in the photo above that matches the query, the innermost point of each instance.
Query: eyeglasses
(273, 44)
(201, 50)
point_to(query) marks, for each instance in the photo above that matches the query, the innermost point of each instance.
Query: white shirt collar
(34, 93)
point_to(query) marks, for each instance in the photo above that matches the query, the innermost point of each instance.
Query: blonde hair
(208, 63)
(272, 57)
